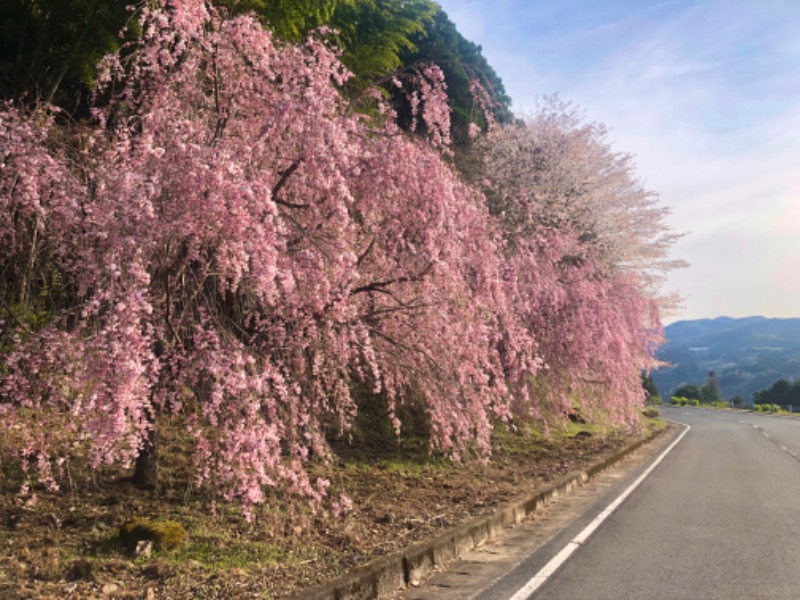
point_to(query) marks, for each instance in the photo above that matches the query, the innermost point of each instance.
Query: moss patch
(165, 535)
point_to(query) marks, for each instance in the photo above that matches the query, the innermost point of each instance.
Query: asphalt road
(719, 518)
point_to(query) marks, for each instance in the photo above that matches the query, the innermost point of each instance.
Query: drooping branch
(284, 178)
(377, 286)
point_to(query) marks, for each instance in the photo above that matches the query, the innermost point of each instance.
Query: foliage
(49, 48)
(372, 34)
(681, 401)
(651, 391)
(375, 34)
(688, 391)
(782, 392)
(288, 19)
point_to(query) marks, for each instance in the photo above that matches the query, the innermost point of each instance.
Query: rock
(386, 518)
(144, 549)
(110, 589)
(156, 571)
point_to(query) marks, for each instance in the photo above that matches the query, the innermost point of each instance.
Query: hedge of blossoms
(231, 244)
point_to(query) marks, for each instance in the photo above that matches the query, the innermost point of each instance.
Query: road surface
(717, 518)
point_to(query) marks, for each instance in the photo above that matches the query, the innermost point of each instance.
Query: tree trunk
(145, 473)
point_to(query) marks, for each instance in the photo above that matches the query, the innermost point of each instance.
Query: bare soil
(65, 545)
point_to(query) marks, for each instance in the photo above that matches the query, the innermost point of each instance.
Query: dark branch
(379, 286)
(365, 253)
(282, 182)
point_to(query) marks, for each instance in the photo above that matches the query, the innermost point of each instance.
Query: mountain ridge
(747, 354)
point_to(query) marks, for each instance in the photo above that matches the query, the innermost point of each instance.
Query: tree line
(783, 393)
(240, 225)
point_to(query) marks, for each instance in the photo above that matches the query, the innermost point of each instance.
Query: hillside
(747, 354)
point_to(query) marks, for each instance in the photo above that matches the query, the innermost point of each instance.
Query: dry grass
(65, 545)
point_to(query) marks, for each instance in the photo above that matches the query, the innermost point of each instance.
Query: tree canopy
(227, 243)
(783, 393)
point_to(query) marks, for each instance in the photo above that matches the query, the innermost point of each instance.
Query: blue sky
(706, 95)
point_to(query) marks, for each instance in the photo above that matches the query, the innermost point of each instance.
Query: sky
(706, 95)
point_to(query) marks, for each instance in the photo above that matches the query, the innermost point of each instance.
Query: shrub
(651, 412)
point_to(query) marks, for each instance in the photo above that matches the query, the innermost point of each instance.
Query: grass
(221, 553)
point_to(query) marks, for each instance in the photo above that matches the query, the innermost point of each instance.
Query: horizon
(731, 318)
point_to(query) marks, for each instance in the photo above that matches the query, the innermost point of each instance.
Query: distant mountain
(747, 354)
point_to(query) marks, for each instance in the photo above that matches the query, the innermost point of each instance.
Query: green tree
(688, 391)
(710, 392)
(782, 392)
(651, 391)
(288, 19)
(376, 33)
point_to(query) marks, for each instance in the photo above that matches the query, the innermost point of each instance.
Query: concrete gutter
(381, 577)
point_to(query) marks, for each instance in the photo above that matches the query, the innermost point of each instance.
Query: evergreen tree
(710, 392)
(653, 397)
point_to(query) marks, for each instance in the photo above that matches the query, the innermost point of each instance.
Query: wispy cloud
(706, 95)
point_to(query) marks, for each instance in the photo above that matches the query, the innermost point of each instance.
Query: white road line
(559, 559)
(777, 443)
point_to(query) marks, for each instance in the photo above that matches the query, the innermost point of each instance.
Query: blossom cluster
(235, 246)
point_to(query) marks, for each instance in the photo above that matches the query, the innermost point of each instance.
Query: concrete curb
(383, 576)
